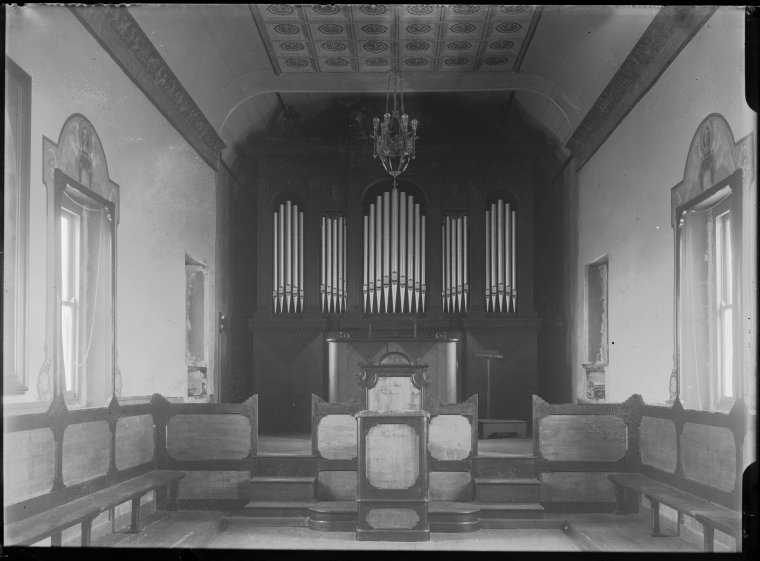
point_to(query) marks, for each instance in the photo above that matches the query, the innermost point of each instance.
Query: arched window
(501, 255)
(332, 284)
(288, 285)
(456, 289)
(394, 252)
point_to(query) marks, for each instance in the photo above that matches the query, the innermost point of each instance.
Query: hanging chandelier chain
(394, 143)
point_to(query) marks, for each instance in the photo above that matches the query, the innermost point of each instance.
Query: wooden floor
(583, 532)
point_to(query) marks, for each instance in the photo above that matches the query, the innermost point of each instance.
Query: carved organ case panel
(394, 253)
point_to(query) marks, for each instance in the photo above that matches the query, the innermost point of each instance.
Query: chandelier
(394, 142)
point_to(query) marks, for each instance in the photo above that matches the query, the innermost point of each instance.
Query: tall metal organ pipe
(288, 264)
(334, 264)
(501, 258)
(455, 286)
(394, 255)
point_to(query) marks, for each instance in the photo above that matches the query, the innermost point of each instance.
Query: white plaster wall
(624, 205)
(168, 204)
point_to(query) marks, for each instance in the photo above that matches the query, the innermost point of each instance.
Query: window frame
(63, 184)
(723, 195)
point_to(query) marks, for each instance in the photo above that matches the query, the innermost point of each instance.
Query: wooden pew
(690, 461)
(83, 511)
(64, 467)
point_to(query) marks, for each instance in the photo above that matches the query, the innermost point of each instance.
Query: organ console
(394, 255)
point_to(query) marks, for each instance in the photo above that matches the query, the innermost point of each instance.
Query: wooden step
(530, 511)
(341, 516)
(507, 490)
(519, 466)
(281, 465)
(278, 488)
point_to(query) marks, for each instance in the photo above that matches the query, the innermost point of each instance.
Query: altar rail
(452, 445)
(576, 445)
(61, 455)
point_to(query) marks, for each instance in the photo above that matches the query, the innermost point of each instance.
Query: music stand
(488, 355)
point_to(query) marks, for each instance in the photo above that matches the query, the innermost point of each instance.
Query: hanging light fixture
(394, 142)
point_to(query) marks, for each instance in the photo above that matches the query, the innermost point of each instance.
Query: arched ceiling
(230, 57)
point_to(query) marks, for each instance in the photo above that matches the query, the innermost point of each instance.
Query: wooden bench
(709, 515)
(84, 510)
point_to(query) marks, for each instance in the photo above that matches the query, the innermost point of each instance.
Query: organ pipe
(394, 255)
(288, 262)
(501, 258)
(455, 285)
(334, 264)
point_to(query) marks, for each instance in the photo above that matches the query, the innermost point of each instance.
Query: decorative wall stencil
(508, 27)
(373, 9)
(466, 9)
(335, 46)
(326, 9)
(336, 61)
(496, 60)
(419, 9)
(462, 28)
(459, 45)
(374, 28)
(501, 45)
(297, 62)
(292, 46)
(418, 28)
(401, 30)
(280, 9)
(459, 61)
(330, 28)
(513, 9)
(416, 61)
(287, 29)
(375, 46)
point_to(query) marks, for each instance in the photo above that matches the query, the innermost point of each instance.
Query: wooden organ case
(457, 288)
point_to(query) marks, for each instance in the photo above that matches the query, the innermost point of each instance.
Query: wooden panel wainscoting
(657, 440)
(208, 437)
(64, 455)
(29, 468)
(582, 438)
(86, 451)
(134, 441)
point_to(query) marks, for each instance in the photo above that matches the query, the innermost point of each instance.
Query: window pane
(65, 256)
(67, 335)
(727, 348)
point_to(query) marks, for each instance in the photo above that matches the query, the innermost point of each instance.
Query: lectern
(393, 485)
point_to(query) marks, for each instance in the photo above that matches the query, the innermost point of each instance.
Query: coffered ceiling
(553, 62)
(384, 37)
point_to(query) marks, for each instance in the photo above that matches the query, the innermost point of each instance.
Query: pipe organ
(394, 255)
(455, 287)
(332, 286)
(501, 258)
(288, 291)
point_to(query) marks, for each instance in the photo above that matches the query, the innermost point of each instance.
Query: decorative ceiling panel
(381, 37)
